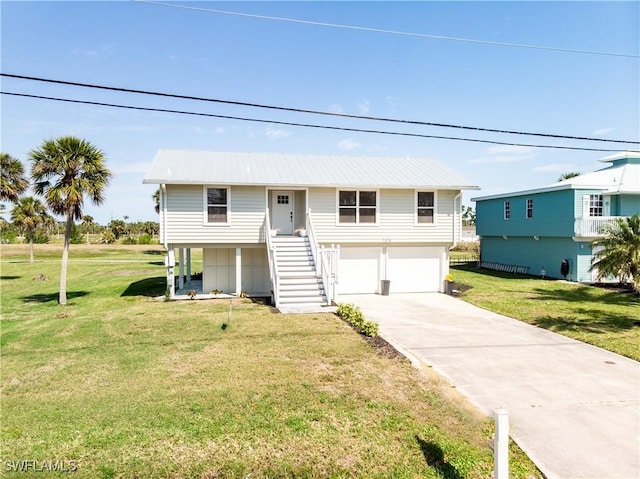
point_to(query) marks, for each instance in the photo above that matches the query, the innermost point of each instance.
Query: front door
(282, 212)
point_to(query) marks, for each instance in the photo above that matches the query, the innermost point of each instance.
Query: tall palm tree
(12, 180)
(619, 255)
(64, 171)
(28, 214)
(87, 224)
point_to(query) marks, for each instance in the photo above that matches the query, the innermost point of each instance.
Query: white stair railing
(325, 260)
(272, 259)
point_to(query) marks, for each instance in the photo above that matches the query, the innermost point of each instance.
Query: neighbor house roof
(225, 168)
(622, 177)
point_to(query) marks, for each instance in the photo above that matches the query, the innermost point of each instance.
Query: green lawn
(603, 317)
(118, 384)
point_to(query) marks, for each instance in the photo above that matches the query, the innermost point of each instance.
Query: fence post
(501, 445)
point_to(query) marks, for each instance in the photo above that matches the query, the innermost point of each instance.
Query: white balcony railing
(591, 227)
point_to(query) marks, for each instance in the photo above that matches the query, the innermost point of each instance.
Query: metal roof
(622, 177)
(229, 168)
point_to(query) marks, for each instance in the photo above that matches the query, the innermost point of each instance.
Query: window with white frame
(426, 207)
(596, 205)
(507, 210)
(357, 206)
(529, 208)
(217, 205)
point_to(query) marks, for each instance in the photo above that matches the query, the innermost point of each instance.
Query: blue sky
(200, 53)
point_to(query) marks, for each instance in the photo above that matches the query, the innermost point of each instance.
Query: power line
(305, 125)
(314, 112)
(393, 32)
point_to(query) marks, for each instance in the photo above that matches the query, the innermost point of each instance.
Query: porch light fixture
(536, 238)
(504, 237)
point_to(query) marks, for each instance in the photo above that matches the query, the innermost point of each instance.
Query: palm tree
(12, 180)
(28, 214)
(156, 200)
(65, 170)
(619, 255)
(87, 224)
(566, 176)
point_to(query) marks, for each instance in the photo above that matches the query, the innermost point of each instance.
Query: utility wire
(306, 125)
(314, 112)
(381, 30)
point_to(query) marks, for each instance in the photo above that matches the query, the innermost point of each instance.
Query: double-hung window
(217, 205)
(529, 208)
(426, 207)
(507, 210)
(595, 205)
(357, 206)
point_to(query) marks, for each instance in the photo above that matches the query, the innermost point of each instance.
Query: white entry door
(282, 212)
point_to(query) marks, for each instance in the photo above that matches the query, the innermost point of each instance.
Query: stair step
(309, 280)
(302, 299)
(301, 293)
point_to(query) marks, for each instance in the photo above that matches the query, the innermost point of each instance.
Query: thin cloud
(335, 108)
(555, 168)
(506, 154)
(131, 168)
(364, 107)
(603, 131)
(105, 50)
(276, 133)
(349, 144)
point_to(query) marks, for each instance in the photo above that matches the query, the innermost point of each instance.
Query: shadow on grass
(434, 456)
(595, 323)
(4, 277)
(156, 263)
(587, 294)
(46, 298)
(154, 252)
(149, 287)
(473, 268)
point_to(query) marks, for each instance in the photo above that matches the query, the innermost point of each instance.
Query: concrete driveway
(573, 408)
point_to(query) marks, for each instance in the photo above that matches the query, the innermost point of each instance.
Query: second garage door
(414, 269)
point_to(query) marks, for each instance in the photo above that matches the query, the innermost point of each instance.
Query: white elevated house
(304, 229)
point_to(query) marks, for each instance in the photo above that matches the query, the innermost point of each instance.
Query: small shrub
(107, 237)
(371, 329)
(129, 240)
(354, 316)
(144, 239)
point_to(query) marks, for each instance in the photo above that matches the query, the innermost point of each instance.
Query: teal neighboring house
(536, 231)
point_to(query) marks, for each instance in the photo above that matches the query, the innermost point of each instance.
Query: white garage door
(358, 271)
(414, 269)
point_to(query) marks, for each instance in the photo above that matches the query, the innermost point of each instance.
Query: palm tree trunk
(62, 299)
(31, 249)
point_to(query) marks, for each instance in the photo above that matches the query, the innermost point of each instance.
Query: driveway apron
(573, 408)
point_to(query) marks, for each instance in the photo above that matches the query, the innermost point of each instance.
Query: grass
(121, 385)
(606, 318)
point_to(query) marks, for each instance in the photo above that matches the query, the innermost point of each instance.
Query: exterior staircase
(300, 287)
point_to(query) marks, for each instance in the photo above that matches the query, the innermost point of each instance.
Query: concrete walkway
(573, 408)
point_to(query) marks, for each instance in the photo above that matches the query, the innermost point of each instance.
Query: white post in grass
(501, 445)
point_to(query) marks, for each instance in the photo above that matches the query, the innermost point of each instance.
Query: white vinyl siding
(395, 214)
(255, 271)
(219, 270)
(396, 219)
(186, 208)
